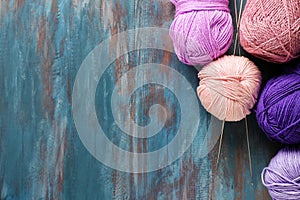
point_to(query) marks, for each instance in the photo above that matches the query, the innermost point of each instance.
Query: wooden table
(43, 44)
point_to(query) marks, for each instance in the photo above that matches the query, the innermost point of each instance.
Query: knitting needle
(249, 150)
(238, 20)
(220, 143)
(246, 123)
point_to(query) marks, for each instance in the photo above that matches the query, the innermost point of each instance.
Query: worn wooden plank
(42, 45)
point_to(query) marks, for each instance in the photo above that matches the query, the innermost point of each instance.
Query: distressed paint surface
(42, 45)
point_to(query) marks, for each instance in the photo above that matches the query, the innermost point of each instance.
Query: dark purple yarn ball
(278, 108)
(282, 176)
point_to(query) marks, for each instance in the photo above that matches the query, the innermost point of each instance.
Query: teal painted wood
(42, 45)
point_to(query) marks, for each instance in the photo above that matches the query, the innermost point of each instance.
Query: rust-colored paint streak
(132, 108)
(211, 156)
(166, 14)
(7, 5)
(71, 15)
(41, 35)
(185, 184)
(2, 5)
(18, 4)
(42, 174)
(156, 94)
(92, 11)
(43, 153)
(118, 14)
(166, 58)
(69, 91)
(142, 178)
(47, 64)
(120, 68)
(226, 164)
(262, 194)
(62, 47)
(60, 163)
(54, 9)
(166, 61)
(47, 193)
(114, 178)
(47, 80)
(239, 177)
(46, 45)
(188, 179)
(102, 11)
(172, 116)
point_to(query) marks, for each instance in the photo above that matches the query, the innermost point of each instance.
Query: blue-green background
(42, 45)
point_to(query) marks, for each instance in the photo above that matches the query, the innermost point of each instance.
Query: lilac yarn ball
(282, 176)
(201, 31)
(278, 108)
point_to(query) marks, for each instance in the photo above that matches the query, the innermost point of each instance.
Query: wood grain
(42, 45)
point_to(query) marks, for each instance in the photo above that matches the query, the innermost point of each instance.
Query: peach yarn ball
(270, 29)
(229, 87)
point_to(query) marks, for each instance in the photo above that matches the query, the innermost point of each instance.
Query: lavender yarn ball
(201, 31)
(282, 176)
(278, 108)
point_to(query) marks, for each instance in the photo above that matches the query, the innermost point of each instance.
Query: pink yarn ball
(270, 29)
(201, 31)
(229, 87)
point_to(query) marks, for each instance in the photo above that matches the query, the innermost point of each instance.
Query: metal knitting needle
(246, 123)
(238, 20)
(220, 143)
(249, 150)
(240, 14)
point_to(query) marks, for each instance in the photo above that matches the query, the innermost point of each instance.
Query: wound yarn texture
(201, 31)
(278, 108)
(229, 87)
(270, 29)
(282, 176)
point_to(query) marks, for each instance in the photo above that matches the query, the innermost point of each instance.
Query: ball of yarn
(270, 29)
(229, 87)
(278, 108)
(282, 176)
(201, 31)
